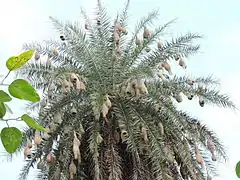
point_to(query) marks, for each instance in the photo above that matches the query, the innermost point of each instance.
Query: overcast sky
(25, 20)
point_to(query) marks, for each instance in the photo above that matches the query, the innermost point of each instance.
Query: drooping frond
(180, 84)
(26, 168)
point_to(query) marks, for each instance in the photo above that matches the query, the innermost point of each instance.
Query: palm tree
(109, 103)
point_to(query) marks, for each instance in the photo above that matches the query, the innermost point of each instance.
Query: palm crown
(108, 103)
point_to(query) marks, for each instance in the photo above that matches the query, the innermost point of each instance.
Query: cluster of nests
(211, 148)
(118, 29)
(74, 81)
(136, 87)
(51, 158)
(196, 126)
(117, 32)
(55, 53)
(190, 82)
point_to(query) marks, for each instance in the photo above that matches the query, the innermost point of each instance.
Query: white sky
(24, 20)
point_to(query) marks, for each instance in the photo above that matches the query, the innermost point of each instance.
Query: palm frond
(215, 98)
(155, 35)
(26, 168)
(179, 46)
(123, 17)
(140, 25)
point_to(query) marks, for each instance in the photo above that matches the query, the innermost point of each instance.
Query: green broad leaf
(10, 62)
(21, 89)
(2, 110)
(32, 123)
(16, 62)
(11, 138)
(8, 108)
(238, 169)
(4, 97)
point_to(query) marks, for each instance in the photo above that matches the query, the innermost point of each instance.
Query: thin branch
(5, 78)
(7, 123)
(12, 119)
(4, 84)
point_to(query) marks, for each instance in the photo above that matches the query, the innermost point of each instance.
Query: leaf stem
(4, 84)
(7, 123)
(12, 119)
(5, 78)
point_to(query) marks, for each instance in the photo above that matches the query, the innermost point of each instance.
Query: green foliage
(4, 97)
(237, 169)
(11, 138)
(16, 62)
(2, 110)
(30, 122)
(21, 89)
